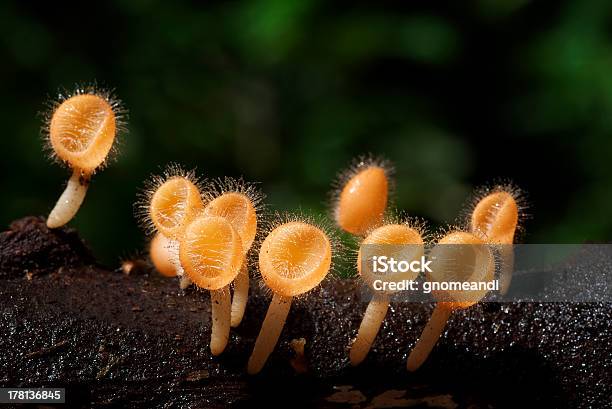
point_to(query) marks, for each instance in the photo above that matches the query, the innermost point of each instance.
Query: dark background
(456, 94)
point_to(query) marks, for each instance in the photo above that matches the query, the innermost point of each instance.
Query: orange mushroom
(495, 218)
(362, 197)
(459, 256)
(239, 203)
(169, 203)
(210, 253)
(160, 252)
(400, 241)
(294, 258)
(81, 132)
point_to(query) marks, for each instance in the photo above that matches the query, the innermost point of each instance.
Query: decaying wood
(137, 340)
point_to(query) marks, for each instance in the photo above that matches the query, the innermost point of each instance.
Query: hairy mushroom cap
(294, 258)
(174, 204)
(82, 131)
(362, 200)
(240, 211)
(463, 257)
(159, 251)
(392, 240)
(210, 252)
(496, 217)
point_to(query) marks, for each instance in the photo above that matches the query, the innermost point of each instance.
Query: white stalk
(184, 282)
(173, 251)
(270, 331)
(429, 337)
(241, 294)
(370, 325)
(70, 201)
(220, 301)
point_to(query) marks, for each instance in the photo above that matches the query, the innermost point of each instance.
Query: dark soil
(118, 340)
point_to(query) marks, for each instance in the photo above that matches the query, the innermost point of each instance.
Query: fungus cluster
(471, 256)
(359, 208)
(457, 256)
(169, 204)
(239, 203)
(203, 232)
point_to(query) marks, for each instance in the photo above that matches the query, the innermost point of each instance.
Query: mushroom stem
(220, 300)
(269, 333)
(429, 337)
(241, 294)
(70, 201)
(374, 315)
(184, 280)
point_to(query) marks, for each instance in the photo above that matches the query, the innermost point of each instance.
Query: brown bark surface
(137, 340)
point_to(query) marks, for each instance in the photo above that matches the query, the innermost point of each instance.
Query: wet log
(137, 340)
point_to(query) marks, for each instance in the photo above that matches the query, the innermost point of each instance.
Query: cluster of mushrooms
(203, 233)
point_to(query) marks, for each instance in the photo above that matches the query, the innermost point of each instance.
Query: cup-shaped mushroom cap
(362, 202)
(461, 257)
(496, 217)
(82, 131)
(174, 205)
(159, 251)
(238, 209)
(210, 252)
(399, 241)
(294, 258)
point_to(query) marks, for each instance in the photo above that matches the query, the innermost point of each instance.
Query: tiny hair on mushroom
(458, 256)
(211, 254)
(241, 204)
(495, 215)
(160, 254)
(361, 194)
(294, 258)
(166, 206)
(81, 131)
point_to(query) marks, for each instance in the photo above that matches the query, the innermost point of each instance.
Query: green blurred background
(286, 93)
